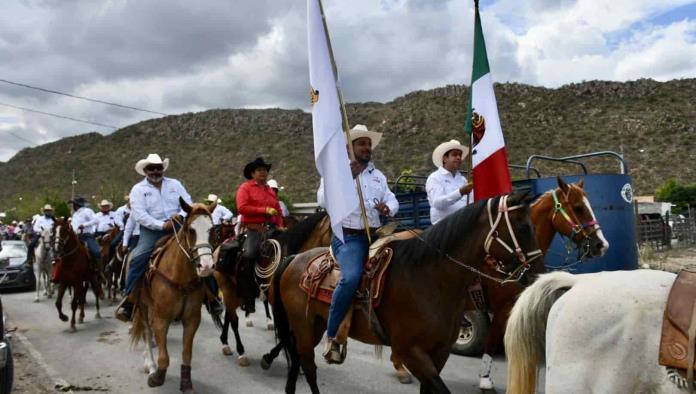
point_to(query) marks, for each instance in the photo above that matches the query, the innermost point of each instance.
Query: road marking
(59, 383)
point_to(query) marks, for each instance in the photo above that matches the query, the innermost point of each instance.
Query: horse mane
(451, 232)
(296, 236)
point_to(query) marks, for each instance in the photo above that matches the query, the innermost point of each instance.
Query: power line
(22, 138)
(59, 116)
(81, 97)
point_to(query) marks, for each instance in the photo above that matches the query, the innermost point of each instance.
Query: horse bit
(576, 228)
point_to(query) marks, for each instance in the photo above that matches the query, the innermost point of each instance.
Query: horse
(111, 269)
(73, 270)
(446, 257)
(43, 257)
(598, 333)
(304, 235)
(565, 210)
(173, 290)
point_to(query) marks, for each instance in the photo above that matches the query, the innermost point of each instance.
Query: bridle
(523, 258)
(62, 240)
(576, 227)
(191, 252)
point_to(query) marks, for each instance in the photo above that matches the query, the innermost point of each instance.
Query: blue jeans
(140, 257)
(92, 246)
(351, 256)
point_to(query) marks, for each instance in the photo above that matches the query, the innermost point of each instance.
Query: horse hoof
(36, 299)
(269, 325)
(485, 383)
(265, 364)
(243, 361)
(249, 323)
(227, 351)
(73, 329)
(97, 315)
(81, 320)
(404, 377)
(63, 318)
(156, 378)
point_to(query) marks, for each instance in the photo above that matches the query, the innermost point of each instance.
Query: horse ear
(581, 183)
(562, 184)
(184, 205)
(525, 197)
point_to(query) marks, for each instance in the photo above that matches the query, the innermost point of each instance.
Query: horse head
(511, 244)
(62, 235)
(197, 229)
(573, 218)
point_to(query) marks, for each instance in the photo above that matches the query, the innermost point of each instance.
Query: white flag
(330, 154)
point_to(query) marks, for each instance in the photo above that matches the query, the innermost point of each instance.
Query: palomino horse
(598, 333)
(304, 235)
(73, 270)
(111, 269)
(43, 257)
(565, 210)
(447, 257)
(173, 290)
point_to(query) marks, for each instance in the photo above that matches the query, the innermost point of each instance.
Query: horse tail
(283, 333)
(525, 336)
(139, 321)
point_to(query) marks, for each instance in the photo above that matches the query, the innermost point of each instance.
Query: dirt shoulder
(29, 377)
(669, 260)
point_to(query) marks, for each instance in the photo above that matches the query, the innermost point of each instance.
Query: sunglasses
(154, 168)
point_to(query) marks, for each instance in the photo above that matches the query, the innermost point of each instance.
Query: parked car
(6, 361)
(15, 271)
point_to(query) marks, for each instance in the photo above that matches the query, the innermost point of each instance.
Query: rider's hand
(466, 189)
(270, 211)
(168, 225)
(382, 208)
(356, 168)
(80, 227)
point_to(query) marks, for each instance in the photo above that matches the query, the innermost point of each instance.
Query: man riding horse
(42, 223)
(84, 223)
(259, 212)
(352, 251)
(447, 189)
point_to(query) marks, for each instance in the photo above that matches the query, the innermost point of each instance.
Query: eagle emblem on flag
(313, 95)
(478, 127)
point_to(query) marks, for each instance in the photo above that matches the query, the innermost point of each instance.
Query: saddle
(678, 340)
(321, 276)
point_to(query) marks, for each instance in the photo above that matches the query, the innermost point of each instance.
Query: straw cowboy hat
(105, 202)
(211, 198)
(445, 147)
(47, 207)
(361, 131)
(273, 184)
(251, 167)
(152, 158)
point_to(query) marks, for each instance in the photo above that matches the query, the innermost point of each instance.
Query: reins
(576, 229)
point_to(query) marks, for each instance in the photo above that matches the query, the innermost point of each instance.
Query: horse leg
(269, 319)
(424, 368)
(160, 327)
(267, 359)
(37, 274)
(74, 304)
(59, 302)
(190, 327)
(401, 373)
(150, 365)
(97, 315)
(224, 334)
(247, 319)
(242, 359)
(496, 331)
(81, 302)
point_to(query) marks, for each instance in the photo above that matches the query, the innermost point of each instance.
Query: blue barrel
(611, 197)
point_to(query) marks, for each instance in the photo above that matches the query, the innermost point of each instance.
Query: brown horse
(446, 257)
(73, 269)
(173, 290)
(111, 269)
(304, 235)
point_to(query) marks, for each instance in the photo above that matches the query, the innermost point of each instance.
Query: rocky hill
(652, 123)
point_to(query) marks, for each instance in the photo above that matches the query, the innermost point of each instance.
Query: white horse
(43, 257)
(600, 333)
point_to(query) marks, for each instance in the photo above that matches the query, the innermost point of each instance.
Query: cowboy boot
(334, 352)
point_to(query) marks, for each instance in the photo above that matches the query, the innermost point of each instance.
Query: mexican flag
(491, 175)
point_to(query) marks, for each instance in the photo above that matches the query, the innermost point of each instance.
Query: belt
(355, 231)
(260, 227)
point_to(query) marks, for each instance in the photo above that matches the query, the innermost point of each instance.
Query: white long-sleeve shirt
(121, 213)
(374, 189)
(107, 221)
(151, 206)
(443, 193)
(220, 214)
(84, 217)
(43, 223)
(131, 229)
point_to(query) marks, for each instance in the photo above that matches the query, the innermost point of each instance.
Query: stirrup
(124, 310)
(334, 353)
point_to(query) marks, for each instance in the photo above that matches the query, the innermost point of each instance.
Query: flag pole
(471, 135)
(346, 125)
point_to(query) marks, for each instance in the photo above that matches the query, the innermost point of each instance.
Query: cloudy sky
(179, 56)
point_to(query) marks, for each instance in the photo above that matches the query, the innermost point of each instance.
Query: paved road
(98, 357)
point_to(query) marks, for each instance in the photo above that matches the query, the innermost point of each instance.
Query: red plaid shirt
(252, 201)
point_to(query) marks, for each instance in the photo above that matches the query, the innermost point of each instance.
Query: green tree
(681, 195)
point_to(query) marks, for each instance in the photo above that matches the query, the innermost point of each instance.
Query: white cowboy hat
(445, 147)
(105, 202)
(361, 131)
(212, 197)
(273, 184)
(152, 158)
(47, 207)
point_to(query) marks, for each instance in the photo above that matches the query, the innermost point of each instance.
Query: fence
(666, 232)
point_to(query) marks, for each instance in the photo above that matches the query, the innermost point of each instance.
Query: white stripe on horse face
(57, 240)
(201, 226)
(600, 234)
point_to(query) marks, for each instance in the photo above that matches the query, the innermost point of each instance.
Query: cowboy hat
(273, 184)
(47, 207)
(361, 131)
(251, 167)
(105, 202)
(211, 198)
(445, 147)
(77, 200)
(152, 158)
